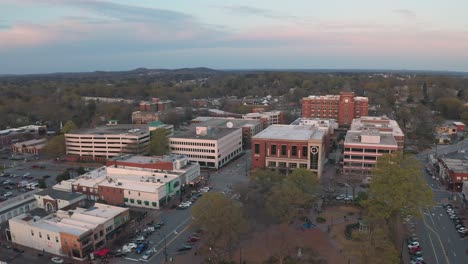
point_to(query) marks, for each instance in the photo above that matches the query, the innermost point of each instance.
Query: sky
(42, 36)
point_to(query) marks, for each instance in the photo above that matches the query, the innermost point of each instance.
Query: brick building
(343, 107)
(287, 147)
(452, 172)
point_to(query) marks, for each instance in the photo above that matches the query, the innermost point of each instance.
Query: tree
(397, 185)
(159, 144)
(450, 107)
(63, 176)
(56, 146)
(42, 183)
(375, 247)
(222, 222)
(265, 179)
(68, 127)
(297, 192)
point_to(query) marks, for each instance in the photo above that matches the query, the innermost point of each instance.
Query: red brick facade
(344, 108)
(112, 195)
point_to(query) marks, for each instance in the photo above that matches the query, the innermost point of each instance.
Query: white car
(7, 194)
(340, 197)
(462, 230)
(205, 189)
(148, 254)
(413, 244)
(57, 260)
(129, 247)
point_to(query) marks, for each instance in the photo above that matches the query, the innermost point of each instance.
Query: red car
(192, 239)
(415, 250)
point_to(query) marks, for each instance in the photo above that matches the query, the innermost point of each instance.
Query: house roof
(60, 195)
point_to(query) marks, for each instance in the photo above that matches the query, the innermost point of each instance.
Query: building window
(56, 239)
(294, 151)
(257, 149)
(272, 164)
(273, 149)
(48, 237)
(126, 200)
(138, 201)
(32, 233)
(132, 201)
(293, 165)
(138, 194)
(40, 235)
(304, 151)
(303, 165)
(146, 203)
(282, 164)
(154, 204)
(283, 150)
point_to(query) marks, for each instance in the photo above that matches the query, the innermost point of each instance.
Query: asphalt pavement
(438, 237)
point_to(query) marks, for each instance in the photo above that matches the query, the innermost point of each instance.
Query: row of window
(381, 151)
(291, 165)
(48, 236)
(147, 203)
(200, 156)
(361, 157)
(15, 212)
(192, 143)
(362, 165)
(194, 150)
(283, 150)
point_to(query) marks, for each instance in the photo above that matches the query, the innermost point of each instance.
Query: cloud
(254, 11)
(405, 13)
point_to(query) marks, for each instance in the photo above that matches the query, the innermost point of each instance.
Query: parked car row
(415, 251)
(343, 197)
(457, 221)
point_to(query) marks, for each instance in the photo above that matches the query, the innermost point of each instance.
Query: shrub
(349, 228)
(320, 219)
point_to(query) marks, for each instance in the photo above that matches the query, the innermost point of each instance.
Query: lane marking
(433, 249)
(437, 235)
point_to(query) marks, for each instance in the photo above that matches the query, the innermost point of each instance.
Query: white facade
(207, 147)
(40, 235)
(110, 141)
(273, 117)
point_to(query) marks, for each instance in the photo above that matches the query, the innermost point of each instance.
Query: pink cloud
(25, 35)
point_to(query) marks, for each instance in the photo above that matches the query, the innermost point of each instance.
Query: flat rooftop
(214, 133)
(314, 121)
(386, 139)
(290, 132)
(376, 122)
(223, 122)
(456, 165)
(60, 195)
(126, 129)
(148, 160)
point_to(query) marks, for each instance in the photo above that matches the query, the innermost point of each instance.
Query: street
(178, 223)
(438, 237)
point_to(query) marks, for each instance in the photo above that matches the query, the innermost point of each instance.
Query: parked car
(414, 250)
(193, 239)
(57, 260)
(8, 194)
(340, 197)
(140, 248)
(205, 189)
(413, 244)
(19, 250)
(129, 247)
(148, 254)
(159, 225)
(185, 247)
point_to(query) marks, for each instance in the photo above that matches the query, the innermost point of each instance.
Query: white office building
(211, 147)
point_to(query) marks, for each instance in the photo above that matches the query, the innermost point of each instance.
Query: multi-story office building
(266, 118)
(344, 107)
(211, 147)
(108, 141)
(73, 233)
(367, 140)
(288, 147)
(249, 127)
